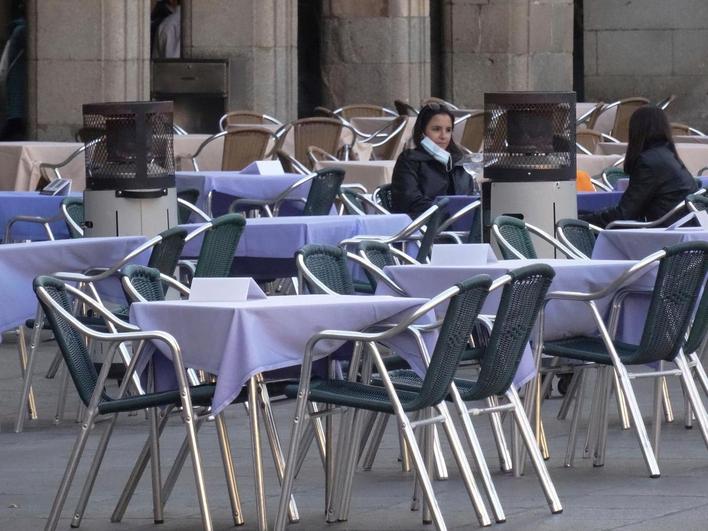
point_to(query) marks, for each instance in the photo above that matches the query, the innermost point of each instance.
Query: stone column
(500, 45)
(259, 38)
(375, 51)
(84, 51)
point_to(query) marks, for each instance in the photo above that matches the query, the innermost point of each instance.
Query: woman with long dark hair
(658, 180)
(432, 168)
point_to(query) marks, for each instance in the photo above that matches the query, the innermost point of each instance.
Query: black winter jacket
(658, 183)
(418, 179)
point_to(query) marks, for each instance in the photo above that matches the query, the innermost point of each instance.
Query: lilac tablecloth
(238, 340)
(238, 184)
(30, 204)
(21, 262)
(281, 237)
(635, 244)
(622, 184)
(563, 318)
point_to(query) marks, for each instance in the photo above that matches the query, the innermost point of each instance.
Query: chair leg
(155, 475)
(499, 438)
(479, 461)
(377, 433)
(693, 396)
(229, 470)
(371, 418)
(349, 466)
(438, 457)
(257, 456)
(621, 403)
(658, 406)
(666, 401)
(54, 366)
(178, 464)
(700, 371)
(570, 395)
(27, 385)
(603, 418)
(69, 473)
(22, 353)
(536, 459)
(93, 472)
(577, 412)
(63, 390)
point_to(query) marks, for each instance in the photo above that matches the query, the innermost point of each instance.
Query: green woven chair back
(455, 331)
(329, 265)
(219, 245)
(384, 196)
(73, 349)
(431, 230)
(146, 281)
(521, 300)
(680, 277)
(700, 201)
(378, 254)
(579, 235)
(354, 199)
(183, 213)
(166, 253)
(324, 188)
(699, 328)
(75, 208)
(515, 232)
(615, 174)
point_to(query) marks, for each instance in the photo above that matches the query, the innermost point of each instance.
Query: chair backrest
(191, 195)
(324, 133)
(165, 254)
(324, 188)
(591, 120)
(243, 145)
(389, 148)
(699, 327)
(431, 231)
(588, 138)
(245, 117)
(521, 300)
(681, 276)
(361, 110)
(439, 101)
(404, 109)
(625, 109)
(377, 253)
(698, 201)
(514, 231)
(146, 281)
(680, 129)
(74, 208)
(473, 133)
(576, 234)
(71, 343)
(352, 202)
(218, 246)
(614, 174)
(328, 264)
(459, 320)
(383, 195)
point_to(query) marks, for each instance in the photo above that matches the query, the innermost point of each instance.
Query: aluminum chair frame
(295, 125)
(69, 220)
(457, 236)
(363, 196)
(223, 134)
(268, 118)
(55, 168)
(44, 221)
(588, 114)
(630, 224)
(384, 110)
(565, 241)
(339, 493)
(503, 242)
(128, 333)
(607, 333)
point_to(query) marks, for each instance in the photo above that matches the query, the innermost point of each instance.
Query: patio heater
(130, 169)
(529, 160)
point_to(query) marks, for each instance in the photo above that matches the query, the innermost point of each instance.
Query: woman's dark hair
(648, 127)
(426, 114)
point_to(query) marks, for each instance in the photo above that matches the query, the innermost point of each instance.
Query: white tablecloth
(370, 173)
(19, 164)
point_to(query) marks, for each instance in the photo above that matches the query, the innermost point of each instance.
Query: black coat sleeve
(634, 201)
(406, 193)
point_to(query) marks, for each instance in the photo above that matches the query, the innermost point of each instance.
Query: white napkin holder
(230, 289)
(264, 167)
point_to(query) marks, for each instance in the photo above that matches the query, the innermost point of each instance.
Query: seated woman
(658, 180)
(432, 168)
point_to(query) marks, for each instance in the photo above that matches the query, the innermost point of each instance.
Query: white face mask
(438, 153)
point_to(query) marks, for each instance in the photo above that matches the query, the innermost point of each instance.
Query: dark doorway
(309, 73)
(13, 73)
(578, 51)
(437, 81)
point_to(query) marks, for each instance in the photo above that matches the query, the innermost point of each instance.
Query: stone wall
(649, 48)
(500, 45)
(83, 51)
(375, 51)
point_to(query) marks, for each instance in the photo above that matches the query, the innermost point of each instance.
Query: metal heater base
(108, 215)
(539, 203)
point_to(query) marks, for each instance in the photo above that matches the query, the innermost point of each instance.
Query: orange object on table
(583, 182)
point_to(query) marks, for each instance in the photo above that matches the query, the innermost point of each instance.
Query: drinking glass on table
(473, 165)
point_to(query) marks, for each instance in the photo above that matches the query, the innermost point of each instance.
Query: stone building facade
(370, 51)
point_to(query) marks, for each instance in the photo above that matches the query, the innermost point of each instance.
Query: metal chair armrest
(648, 224)
(31, 219)
(203, 145)
(135, 296)
(459, 214)
(604, 186)
(198, 211)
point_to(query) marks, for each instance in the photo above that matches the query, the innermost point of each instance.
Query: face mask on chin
(438, 153)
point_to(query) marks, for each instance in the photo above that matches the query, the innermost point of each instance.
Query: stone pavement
(617, 496)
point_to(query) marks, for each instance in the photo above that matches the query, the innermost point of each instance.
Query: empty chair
(589, 118)
(624, 110)
(513, 236)
(220, 239)
(386, 142)
(246, 118)
(325, 133)
(383, 196)
(363, 110)
(577, 235)
(473, 133)
(587, 140)
(242, 146)
(50, 172)
(72, 209)
(404, 108)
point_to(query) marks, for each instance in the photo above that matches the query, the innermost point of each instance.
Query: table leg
(257, 457)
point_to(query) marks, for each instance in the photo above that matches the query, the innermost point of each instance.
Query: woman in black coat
(658, 180)
(432, 168)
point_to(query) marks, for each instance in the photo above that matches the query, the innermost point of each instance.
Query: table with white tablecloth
(370, 173)
(19, 163)
(693, 155)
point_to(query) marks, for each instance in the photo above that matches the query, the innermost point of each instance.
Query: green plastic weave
(378, 254)
(219, 245)
(166, 253)
(699, 328)
(75, 208)
(384, 197)
(324, 188)
(146, 281)
(515, 232)
(579, 235)
(190, 195)
(431, 230)
(329, 265)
